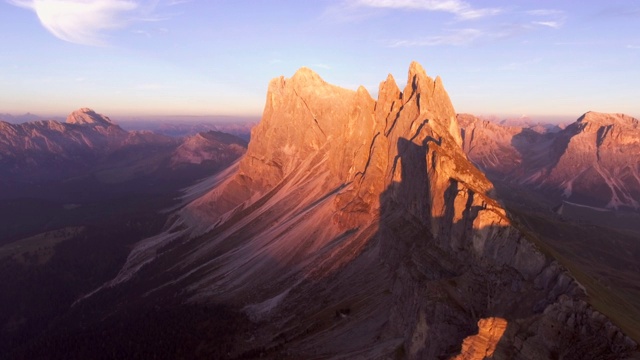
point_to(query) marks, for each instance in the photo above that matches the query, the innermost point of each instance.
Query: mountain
(19, 118)
(351, 228)
(213, 146)
(591, 162)
(50, 150)
(88, 160)
(181, 126)
(90, 143)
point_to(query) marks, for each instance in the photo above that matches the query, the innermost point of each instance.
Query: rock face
(358, 228)
(483, 345)
(591, 162)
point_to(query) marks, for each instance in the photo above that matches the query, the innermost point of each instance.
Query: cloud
(461, 9)
(85, 22)
(633, 46)
(554, 18)
(456, 38)
(551, 24)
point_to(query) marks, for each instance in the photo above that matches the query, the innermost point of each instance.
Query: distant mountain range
(41, 151)
(28, 117)
(173, 126)
(186, 126)
(592, 162)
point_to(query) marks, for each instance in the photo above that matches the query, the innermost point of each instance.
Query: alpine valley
(351, 228)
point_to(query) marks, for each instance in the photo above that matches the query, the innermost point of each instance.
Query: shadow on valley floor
(60, 240)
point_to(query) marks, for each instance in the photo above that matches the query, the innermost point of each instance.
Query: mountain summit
(358, 228)
(87, 116)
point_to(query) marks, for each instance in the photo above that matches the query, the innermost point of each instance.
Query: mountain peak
(416, 69)
(306, 75)
(605, 119)
(84, 116)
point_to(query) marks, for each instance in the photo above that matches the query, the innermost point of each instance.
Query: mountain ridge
(48, 150)
(345, 207)
(589, 162)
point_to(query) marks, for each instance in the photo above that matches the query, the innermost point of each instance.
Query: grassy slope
(603, 257)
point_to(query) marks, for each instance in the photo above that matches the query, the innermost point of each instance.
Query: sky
(541, 59)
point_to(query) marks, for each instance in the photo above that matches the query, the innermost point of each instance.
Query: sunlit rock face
(86, 116)
(591, 162)
(358, 228)
(483, 345)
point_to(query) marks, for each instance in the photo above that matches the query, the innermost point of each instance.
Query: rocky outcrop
(590, 162)
(358, 228)
(483, 345)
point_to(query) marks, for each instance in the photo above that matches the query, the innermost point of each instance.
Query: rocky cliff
(358, 228)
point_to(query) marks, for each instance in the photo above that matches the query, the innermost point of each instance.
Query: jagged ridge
(347, 207)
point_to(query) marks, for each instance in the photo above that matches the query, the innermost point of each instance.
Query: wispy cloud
(553, 18)
(633, 46)
(85, 22)
(356, 10)
(551, 24)
(456, 38)
(461, 9)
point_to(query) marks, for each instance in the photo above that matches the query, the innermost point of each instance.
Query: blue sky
(180, 57)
